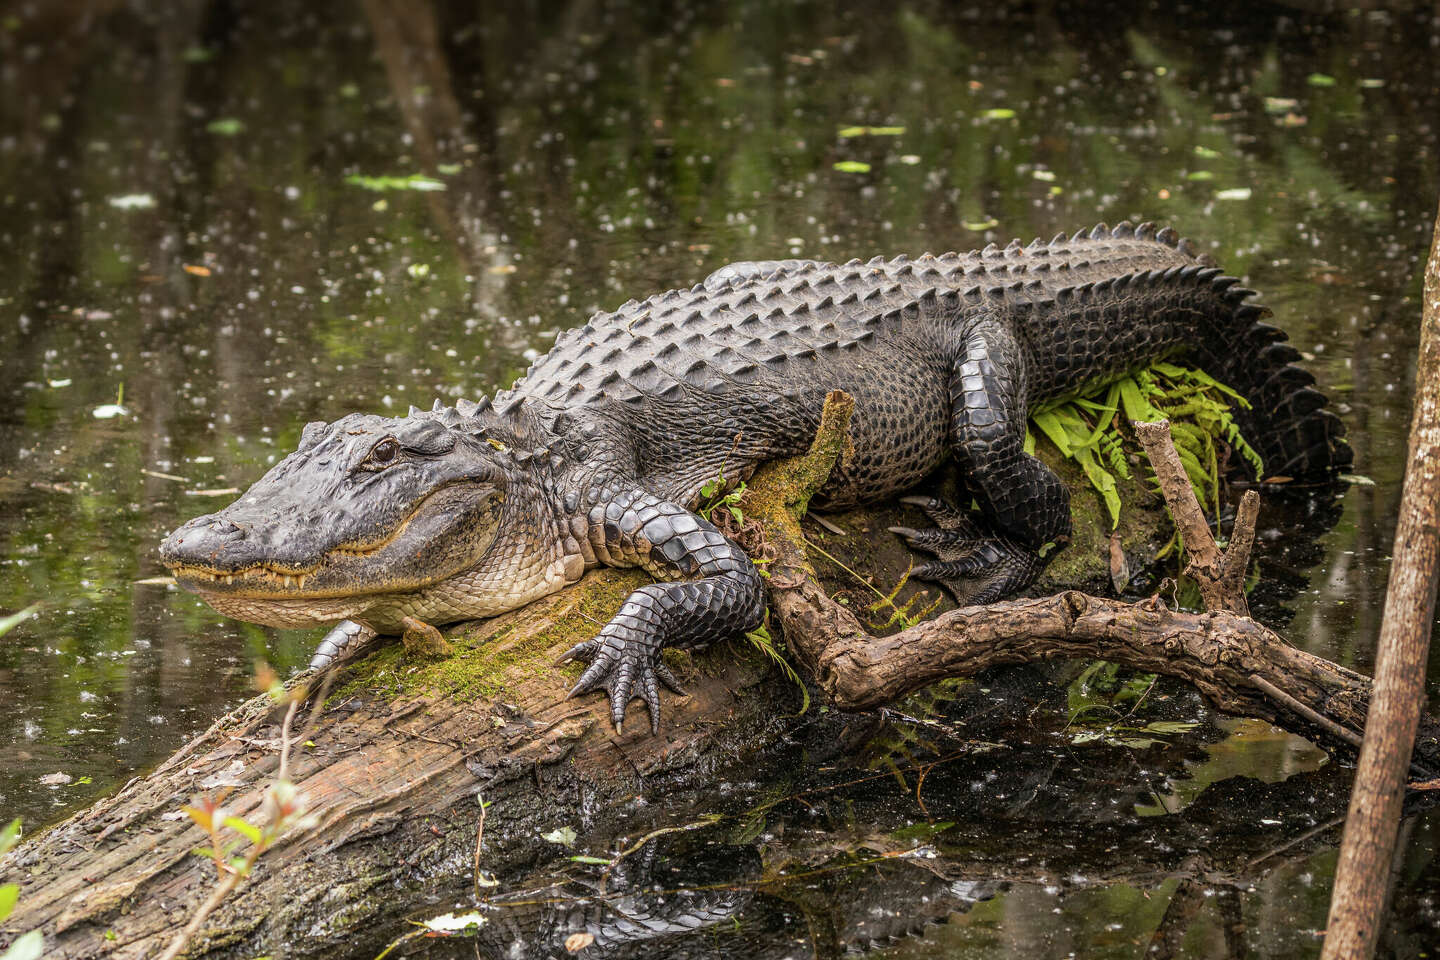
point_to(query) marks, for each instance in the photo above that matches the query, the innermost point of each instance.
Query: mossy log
(404, 748)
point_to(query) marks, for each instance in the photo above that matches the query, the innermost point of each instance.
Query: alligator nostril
(225, 528)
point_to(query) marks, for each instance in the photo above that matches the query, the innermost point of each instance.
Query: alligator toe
(976, 566)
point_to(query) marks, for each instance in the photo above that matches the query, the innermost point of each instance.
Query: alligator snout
(203, 541)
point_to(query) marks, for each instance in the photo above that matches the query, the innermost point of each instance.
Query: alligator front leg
(716, 594)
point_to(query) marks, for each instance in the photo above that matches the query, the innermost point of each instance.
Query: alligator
(599, 453)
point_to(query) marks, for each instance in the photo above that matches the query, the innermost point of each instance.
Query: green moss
(492, 655)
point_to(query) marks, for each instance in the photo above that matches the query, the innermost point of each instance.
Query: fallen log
(404, 749)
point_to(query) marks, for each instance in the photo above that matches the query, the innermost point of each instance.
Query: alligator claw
(974, 565)
(581, 651)
(624, 669)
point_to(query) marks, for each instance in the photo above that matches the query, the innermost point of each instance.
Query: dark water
(180, 240)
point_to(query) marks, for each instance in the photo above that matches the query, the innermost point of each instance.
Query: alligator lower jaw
(236, 582)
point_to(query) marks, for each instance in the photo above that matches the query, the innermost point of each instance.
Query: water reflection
(178, 226)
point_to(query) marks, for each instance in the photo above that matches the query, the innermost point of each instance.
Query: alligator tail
(1290, 423)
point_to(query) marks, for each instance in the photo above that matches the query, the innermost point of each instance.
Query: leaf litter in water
(1234, 193)
(448, 923)
(415, 181)
(852, 166)
(998, 113)
(225, 127)
(132, 201)
(565, 836)
(871, 131)
(1320, 80)
(979, 225)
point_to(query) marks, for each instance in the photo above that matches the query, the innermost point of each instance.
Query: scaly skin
(598, 454)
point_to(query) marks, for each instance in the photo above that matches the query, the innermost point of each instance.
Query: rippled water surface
(198, 262)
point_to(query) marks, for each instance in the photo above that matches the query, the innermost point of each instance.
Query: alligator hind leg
(975, 566)
(1024, 505)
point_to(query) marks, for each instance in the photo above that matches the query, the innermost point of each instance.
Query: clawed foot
(975, 565)
(624, 668)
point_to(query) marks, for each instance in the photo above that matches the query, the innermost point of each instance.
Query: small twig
(653, 834)
(1320, 720)
(217, 897)
(1220, 575)
(1295, 840)
(285, 741)
(479, 843)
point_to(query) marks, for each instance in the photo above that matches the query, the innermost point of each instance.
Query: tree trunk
(1362, 874)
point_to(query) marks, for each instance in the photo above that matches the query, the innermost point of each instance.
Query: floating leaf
(979, 225)
(1168, 727)
(1372, 83)
(418, 270)
(415, 181)
(999, 113)
(579, 941)
(871, 131)
(1234, 193)
(448, 169)
(1355, 479)
(132, 201)
(1046, 175)
(197, 55)
(108, 411)
(597, 861)
(1280, 104)
(454, 923)
(1200, 175)
(564, 836)
(852, 166)
(1206, 153)
(910, 159)
(1320, 80)
(225, 126)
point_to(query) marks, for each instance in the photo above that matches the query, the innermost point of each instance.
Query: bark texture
(1357, 907)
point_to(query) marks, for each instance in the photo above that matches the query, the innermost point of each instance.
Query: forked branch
(1240, 666)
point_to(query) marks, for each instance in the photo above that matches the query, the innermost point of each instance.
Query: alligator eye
(383, 454)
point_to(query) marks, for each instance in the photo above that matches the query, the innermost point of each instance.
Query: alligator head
(374, 519)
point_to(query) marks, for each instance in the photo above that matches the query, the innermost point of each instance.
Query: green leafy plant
(1088, 429)
(714, 496)
(1104, 700)
(28, 946)
(761, 640)
(283, 810)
